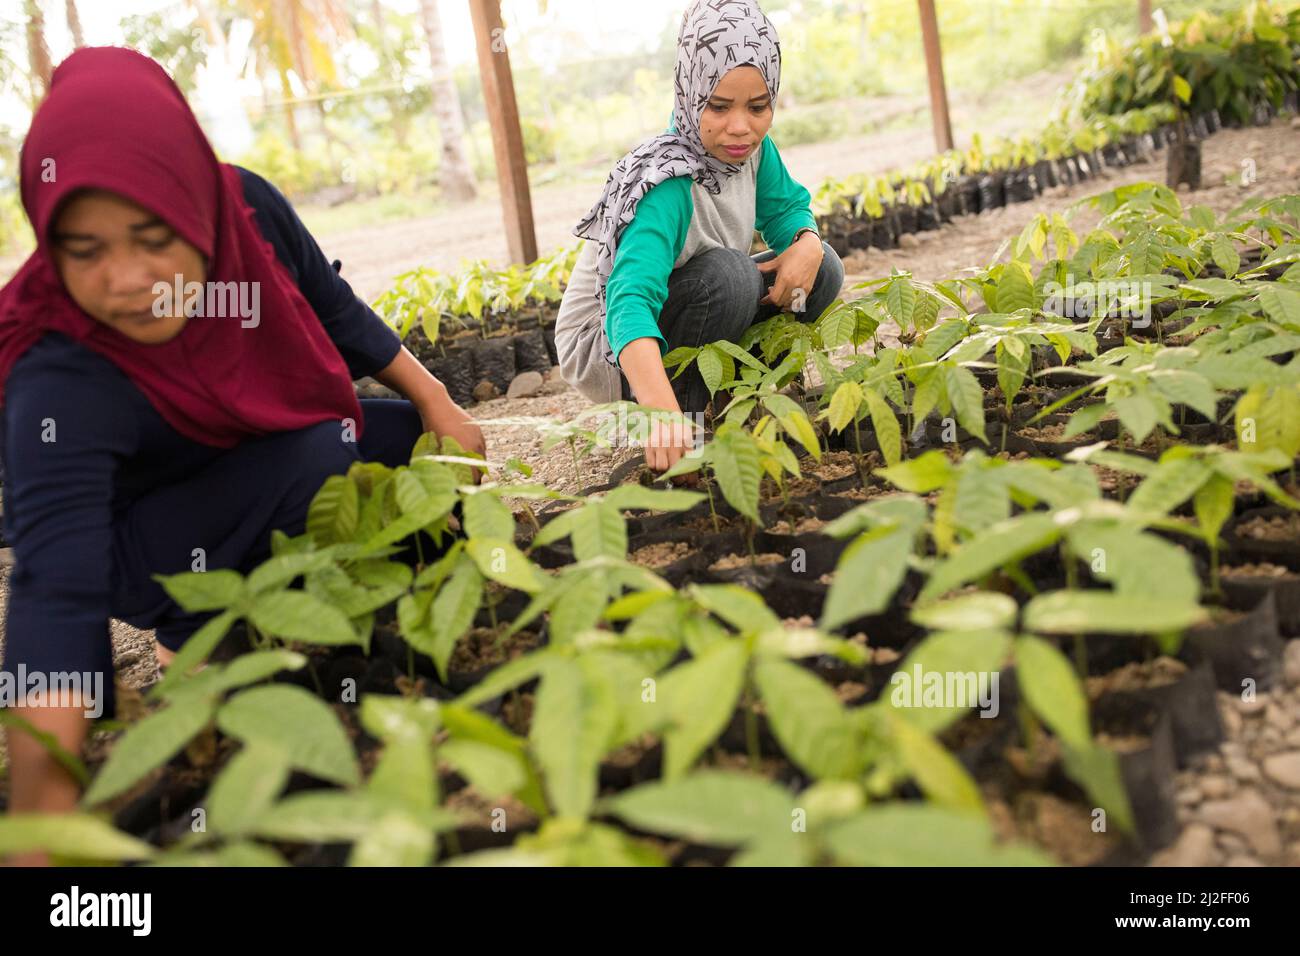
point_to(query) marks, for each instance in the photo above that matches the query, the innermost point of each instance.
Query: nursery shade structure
(507, 136)
(934, 70)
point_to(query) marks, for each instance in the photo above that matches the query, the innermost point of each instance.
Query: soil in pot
(1182, 688)
(1253, 578)
(483, 649)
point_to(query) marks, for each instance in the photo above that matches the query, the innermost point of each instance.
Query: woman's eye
(157, 245)
(84, 255)
(717, 108)
(759, 110)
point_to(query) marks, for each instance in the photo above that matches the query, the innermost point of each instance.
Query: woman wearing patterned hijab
(668, 263)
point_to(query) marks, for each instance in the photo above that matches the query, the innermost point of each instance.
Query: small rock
(1251, 708)
(1284, 769)
(1216, 787)
(6, 557)
(1278, 717)
(1291, 655)
(601, 451)
(525, 384)
(1194, 847)
(908, 241)
(1189, 796)
(1249, 815)
(485, 391)
(1243, 859)
(1231, 721)
(1243, 769)
(1295, 122)
(1292, 739)
(1230, 843)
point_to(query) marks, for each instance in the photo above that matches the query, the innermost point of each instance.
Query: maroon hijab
(114, 120)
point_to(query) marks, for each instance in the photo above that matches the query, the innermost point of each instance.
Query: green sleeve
(647, 249)
(781, 205)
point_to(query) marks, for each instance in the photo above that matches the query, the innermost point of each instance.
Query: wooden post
(934, 67)
(507, 137)
(1144, 17)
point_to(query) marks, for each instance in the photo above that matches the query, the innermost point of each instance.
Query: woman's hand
(440, 415)
(666, 441)
(445, 418)
(796, 269)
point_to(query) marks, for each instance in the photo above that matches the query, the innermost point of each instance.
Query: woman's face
(737, 116)
(110, 252)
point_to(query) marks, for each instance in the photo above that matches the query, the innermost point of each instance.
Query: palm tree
(455, 174)
(38, 53)
(74, 24)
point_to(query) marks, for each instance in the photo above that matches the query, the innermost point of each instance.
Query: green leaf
(1173, 482)
(279, 571)
(247, 787)
(453, 613)
(967, 399)
(844, 405)
(709, 362)
(203, 590)
(599, 530)
(299, 616)
(501, 561)
(491, 771)
(909, 834)
(921, 475)
(195, 651)
(1186, 388)
(1225, 255)
(628, 497)
(1213, 505)
(1182, 89)
(1097, 770)
(300, 724)
(329, 816)
(966, 663)
(76, 836)
(334, 512)
(148, 745)
(1015, 289)
(1053, 690)
(710, 807)
(900, 299)
(808, 720)
(486, 516)
(939, 774)
(1137, 413)
(1281, 304)
(742, 609)
(736, 462)
(1103, 612)
(888, 432)
(1268, 419)
(978, 611)
(1000, 545)
(869, 572)
(697, 700)
(574, 720)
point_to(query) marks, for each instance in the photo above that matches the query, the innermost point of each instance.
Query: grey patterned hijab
(716, 37)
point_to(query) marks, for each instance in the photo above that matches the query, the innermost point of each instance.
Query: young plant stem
(410, 663)
(752, 743)
(712, 512)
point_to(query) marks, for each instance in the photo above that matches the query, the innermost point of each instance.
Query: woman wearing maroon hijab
(141, 429)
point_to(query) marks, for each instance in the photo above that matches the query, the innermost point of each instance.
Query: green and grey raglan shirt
(675, 221)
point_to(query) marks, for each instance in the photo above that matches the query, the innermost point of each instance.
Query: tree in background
(74, 24)
(38, 53)
(455, 174)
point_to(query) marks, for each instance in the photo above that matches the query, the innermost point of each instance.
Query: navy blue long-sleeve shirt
(112, 445)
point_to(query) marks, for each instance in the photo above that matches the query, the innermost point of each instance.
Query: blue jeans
(716, 296)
